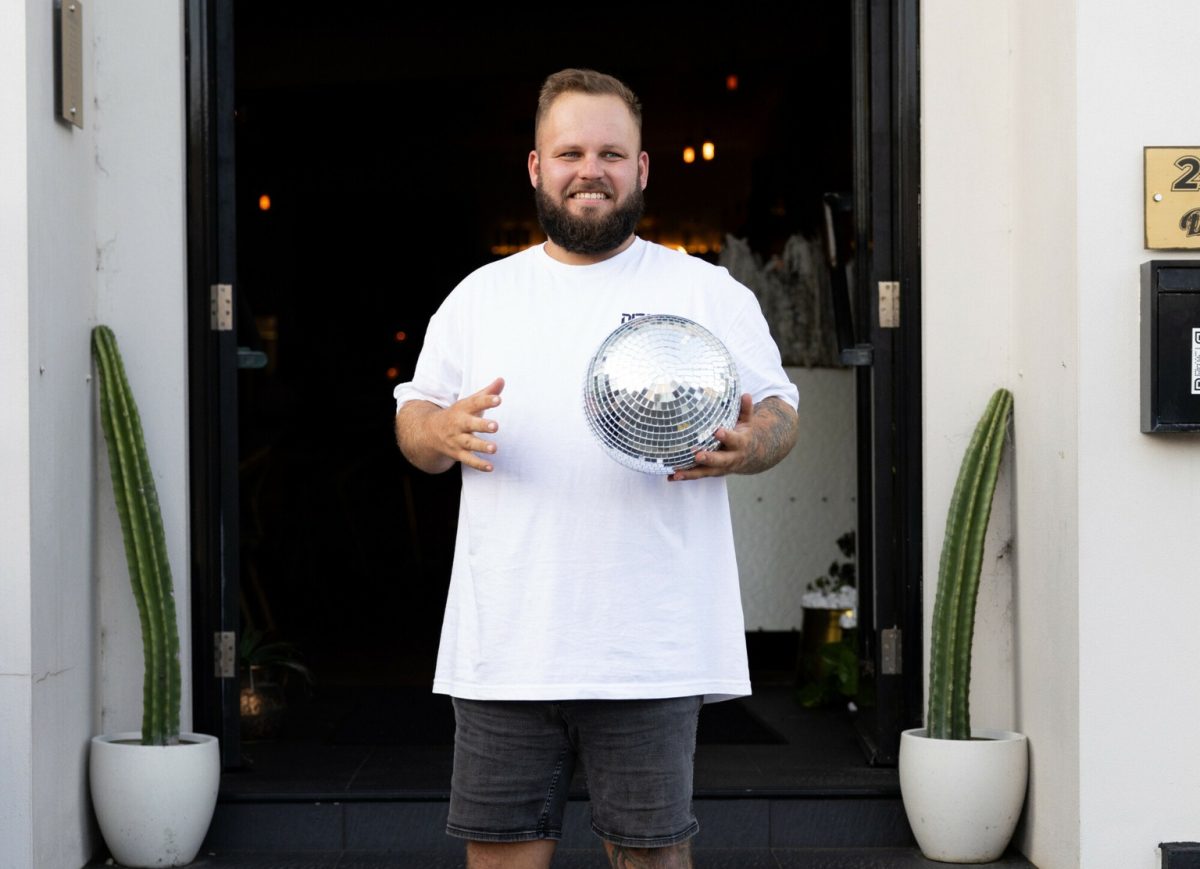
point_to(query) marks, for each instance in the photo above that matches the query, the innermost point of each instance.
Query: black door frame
(886, 208)
(887, 220)
(212, 373)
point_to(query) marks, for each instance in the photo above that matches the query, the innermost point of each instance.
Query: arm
(761, 438)
(434, 438)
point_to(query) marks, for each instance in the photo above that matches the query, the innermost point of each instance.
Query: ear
(533, 168)
(644, 169)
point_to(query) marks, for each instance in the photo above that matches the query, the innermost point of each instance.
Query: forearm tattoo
(672, 857)
(774, 423)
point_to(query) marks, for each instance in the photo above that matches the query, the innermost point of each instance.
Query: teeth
(590, 196)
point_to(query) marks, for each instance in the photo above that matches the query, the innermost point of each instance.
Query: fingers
(468, 419)
(471, 460)
(479, 402)
(709, 463)
(727, 459)
(490, 394)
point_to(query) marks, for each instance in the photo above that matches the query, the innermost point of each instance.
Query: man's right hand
(433, 438)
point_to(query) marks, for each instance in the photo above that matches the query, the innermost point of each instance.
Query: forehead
(575, 118)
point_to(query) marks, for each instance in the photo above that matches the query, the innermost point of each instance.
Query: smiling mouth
(590, 195)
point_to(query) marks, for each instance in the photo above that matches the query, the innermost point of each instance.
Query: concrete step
(419, 825)
(704, 858)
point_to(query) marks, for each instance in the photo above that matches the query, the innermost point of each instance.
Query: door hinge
(889, 652)
(221, 307)
(225, 654)
(889, 304)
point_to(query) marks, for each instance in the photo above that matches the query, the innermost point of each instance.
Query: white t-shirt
(575, 577)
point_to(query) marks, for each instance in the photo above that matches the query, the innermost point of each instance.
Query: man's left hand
(761, 437)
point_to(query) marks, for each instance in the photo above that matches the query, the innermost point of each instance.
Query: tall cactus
(958, 574)
(145, 543)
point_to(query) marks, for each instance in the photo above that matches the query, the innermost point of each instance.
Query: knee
(536, 854)
(667, 857)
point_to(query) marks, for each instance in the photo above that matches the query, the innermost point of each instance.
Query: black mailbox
(1171, 345)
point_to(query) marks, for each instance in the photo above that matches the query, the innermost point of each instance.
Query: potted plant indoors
(154, 791)
(828, 647)
(963, 787)
(263, 667)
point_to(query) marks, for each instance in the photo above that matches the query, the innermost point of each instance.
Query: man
(592, 609)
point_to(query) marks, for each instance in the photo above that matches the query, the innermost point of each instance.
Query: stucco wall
(140, 262)
(1139, 495)
(61, 288)
(1056, 102)
(16, 683)
(1045, 379)
(91, 223)
(999, 296)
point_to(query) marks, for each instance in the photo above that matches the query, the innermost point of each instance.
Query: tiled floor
(820, 755)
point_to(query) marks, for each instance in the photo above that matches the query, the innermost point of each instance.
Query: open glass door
(213, 366)
(887, 349)
(342, 194)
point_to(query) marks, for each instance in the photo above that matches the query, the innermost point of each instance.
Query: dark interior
(393, 147)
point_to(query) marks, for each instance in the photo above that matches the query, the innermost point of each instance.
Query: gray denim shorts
(513, 762)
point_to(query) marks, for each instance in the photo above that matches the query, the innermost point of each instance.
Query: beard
(586, 235)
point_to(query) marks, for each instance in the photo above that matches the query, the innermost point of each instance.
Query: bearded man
(592, 610)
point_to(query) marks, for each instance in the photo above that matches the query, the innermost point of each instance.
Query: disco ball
(657, 389)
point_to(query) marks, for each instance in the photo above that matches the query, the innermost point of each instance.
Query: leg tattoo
(671, 857)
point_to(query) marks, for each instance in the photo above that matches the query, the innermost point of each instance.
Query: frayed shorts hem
(516, 836)
(649, 842)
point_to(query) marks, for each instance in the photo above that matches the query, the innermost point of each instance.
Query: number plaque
(1172, 198)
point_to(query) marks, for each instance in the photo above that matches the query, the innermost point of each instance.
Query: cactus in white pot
(963, 787)
(154, 792)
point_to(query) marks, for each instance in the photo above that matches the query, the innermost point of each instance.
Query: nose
(591, 166)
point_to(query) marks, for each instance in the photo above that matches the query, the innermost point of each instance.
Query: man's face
(588, 173)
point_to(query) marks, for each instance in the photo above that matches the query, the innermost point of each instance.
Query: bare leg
(510, 855)
(670, 857)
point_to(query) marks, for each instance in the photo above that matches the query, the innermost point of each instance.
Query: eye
(613, 155)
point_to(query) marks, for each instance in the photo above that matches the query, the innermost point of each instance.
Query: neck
(586, 259)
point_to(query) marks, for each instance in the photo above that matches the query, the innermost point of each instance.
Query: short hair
(584, 81)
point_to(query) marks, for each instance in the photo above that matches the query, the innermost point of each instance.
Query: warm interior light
(689, 155)
(264, 203)
(393, 373)
(731, 82)
(400, 336)
(709, 150)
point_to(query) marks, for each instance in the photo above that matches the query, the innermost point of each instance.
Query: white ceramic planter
(963, 797)
(154, 802)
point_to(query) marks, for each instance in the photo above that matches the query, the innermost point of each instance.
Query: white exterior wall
(1139, 494)
(141, 272)
(999, 301)
(1043, 374)
(91, 222)
(62, 298)
(967, 207)
(1034, 119)
(16, 683)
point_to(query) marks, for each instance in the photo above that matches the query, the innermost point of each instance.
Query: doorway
(379, 159)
